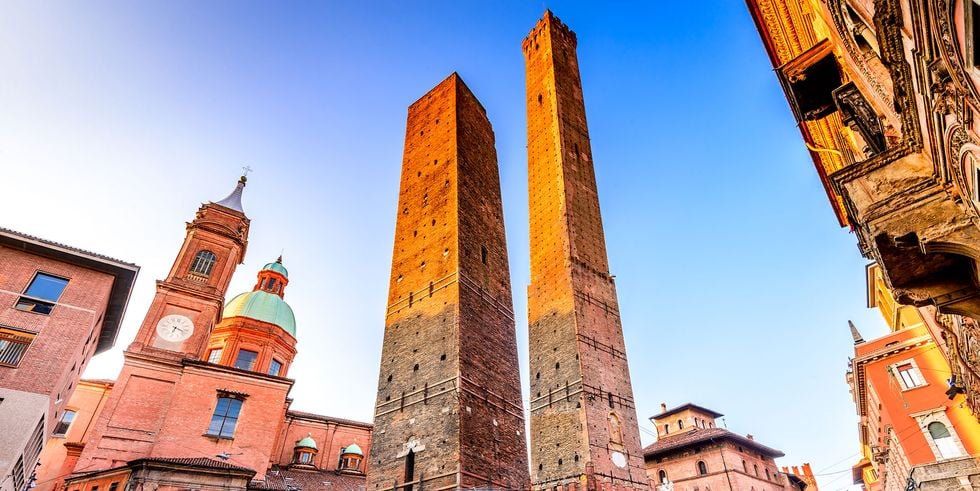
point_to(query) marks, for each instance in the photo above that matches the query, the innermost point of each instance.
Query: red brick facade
(157, 423)
(48, 337)
(449, 410)
(583, 416)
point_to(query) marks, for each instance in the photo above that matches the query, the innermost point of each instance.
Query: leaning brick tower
(583, 418)
(449, 412)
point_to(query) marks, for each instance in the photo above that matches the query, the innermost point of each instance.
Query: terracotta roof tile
(700, 435)
(280, 479)
(194, 461)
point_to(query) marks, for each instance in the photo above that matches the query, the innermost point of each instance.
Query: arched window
(944, 440)
(756, 467)
(666, 429)
(745, 467)
(768, 477)
(203, 262)
(702, 468)
(680, 424)
(663, 476)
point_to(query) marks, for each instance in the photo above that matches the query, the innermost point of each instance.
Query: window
(663, 476)
(483, 254)
(702, 468)
(680, 424)
(756, 468)
(768, 477)
(225, 417)
(350, 463)
(271, 285)
(745, 467)
(666, 429)
(409, 470)
(274, 367)
(909, 375)
(944, 440)
(13, 345)
(245, 359)
(203, 263)
(65, 423)
(215, 355)
(42, 293)
(114, 486)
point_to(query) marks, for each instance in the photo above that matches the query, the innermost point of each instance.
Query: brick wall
(449, 385)
(582, 408)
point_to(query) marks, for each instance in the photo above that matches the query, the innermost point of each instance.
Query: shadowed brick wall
(583, 417)
(449, 387)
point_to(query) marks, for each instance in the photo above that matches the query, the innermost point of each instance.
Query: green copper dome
(263, 306)
(307, 442)
(353, 449)
(277, 267)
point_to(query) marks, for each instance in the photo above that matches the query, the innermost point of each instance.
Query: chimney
(750, 437)
(663, 407)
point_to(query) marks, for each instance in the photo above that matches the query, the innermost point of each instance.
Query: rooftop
(685, 407)
(672, 443)
(125, 274)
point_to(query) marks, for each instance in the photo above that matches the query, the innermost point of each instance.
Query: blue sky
(119, 118)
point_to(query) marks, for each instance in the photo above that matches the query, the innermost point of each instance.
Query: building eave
(122, 286)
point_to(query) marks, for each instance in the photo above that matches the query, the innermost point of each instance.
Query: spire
(234, 200)
(855, 334)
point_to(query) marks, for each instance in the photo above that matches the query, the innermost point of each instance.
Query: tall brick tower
(583, 418)
(449, 411)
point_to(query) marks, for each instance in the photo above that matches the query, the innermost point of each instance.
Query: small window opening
(483, 254)
(409, 470)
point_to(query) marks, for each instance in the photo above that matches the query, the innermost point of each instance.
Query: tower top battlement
(549, 20)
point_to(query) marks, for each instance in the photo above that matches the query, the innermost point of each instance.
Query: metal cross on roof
(246, 170)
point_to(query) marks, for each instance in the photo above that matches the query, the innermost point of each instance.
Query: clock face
(619, 459)
(175, 328)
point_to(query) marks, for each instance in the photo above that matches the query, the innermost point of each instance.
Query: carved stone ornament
(857, 113)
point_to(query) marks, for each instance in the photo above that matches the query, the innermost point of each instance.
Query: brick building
(909, 428)
(583, 416)
(693, 454)
(61, 305)
(202, 398)
(449, 412)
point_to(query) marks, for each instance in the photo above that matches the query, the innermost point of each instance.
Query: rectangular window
(225, 417)
(42, 293)
(215, 355)
(910, 376)
(13, 345)
(65, 423)
(274, 367)
(246, 359)
(114, 486)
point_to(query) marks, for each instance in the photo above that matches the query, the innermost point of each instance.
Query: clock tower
(188, 302)
(164, 362)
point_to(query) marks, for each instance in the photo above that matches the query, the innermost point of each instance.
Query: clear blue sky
(117, 119)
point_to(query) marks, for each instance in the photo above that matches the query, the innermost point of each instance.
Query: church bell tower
(188, 302)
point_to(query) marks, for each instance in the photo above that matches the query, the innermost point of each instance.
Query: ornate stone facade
(898, 152)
